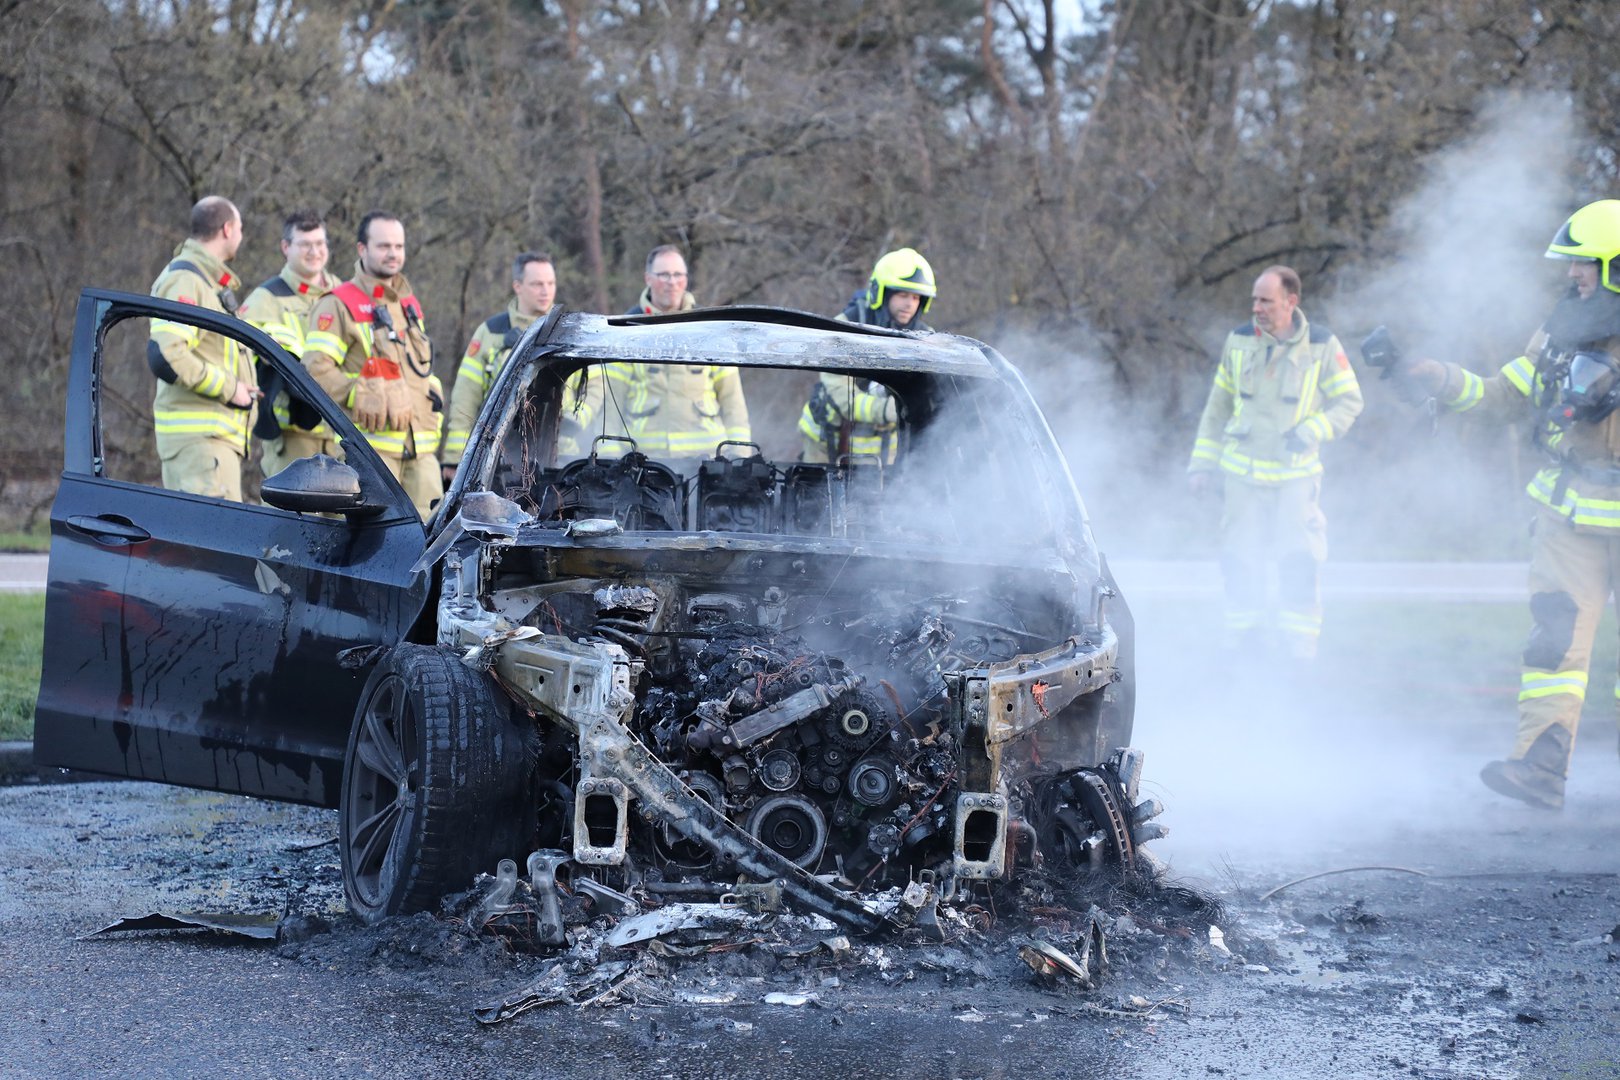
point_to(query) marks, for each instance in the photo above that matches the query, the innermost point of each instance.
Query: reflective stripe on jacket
(1590, 502)
(1264, 388)
(870, 417)
(280, 307)
(341, 337)
(676, 410)
(207, 367)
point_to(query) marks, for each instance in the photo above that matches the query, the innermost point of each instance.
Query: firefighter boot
(1538, 777)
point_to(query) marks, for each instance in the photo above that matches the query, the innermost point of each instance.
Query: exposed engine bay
(761, 708)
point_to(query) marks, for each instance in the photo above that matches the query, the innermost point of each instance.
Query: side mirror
(317, 485)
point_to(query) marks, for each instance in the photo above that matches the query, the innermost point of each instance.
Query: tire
(438, 784)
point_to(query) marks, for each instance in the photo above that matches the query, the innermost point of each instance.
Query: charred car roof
(764, 337)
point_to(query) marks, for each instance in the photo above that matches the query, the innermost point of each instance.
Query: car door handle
(108, 530)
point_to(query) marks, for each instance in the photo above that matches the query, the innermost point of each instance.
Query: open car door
(191, 640)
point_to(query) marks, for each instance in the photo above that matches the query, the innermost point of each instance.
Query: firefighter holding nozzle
(1566, 386)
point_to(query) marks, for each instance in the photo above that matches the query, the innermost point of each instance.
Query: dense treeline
(1107, 176)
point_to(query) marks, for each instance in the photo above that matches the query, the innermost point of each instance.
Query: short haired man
(280, 307)
(204, 406)
(853, 418)
(665, 277)
(675, 412)
(1282, 388)
(367, 346)
(534, 292)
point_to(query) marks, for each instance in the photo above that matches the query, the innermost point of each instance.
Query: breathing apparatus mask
(1588, 388)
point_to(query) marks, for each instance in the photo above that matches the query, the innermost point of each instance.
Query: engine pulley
(792, 826)
(872, 782)
(779, 770)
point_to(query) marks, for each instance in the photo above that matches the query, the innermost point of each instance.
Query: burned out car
(836, 679)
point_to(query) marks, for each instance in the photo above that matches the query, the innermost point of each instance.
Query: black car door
(191, 640)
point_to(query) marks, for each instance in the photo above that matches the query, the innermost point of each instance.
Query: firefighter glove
(398, 397)
(377, 395)
(1378, 350)
(1294, 442)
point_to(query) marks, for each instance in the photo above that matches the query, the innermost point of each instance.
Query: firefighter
(1282, 388)
(855, 417)
(1566, 386)
(280, 307)
(534, 291)
(677, 413)
(367, 346)
(665, 277)
(204, 406)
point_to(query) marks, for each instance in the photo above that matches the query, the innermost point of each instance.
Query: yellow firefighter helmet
(1592, 232)
(906, 271)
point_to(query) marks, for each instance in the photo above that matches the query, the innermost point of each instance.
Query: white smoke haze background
(1304, 768)
(1462, 277)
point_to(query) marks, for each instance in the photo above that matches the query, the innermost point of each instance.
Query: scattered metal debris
(256, 927)
(562, 984)
(1267, 895)
(1086, 968)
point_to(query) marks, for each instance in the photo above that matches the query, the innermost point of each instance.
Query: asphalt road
(1497, 959)
(22, 573)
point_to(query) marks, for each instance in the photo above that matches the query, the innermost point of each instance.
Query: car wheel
(438, 783)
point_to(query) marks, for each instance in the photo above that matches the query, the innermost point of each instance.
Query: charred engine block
(807, 754)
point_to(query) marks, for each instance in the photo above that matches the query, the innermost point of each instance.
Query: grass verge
(36, 541)
(22, 638)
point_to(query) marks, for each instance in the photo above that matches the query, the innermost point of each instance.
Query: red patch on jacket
(186, 300)
(1342, 360)
(473, 346)
(380, 367)
(323, 321)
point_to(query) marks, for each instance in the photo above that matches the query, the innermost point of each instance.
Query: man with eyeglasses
(666, 284)
(677, 413)
(280, 307)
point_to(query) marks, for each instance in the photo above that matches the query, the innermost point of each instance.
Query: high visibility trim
(455, 442)
(1318, 425)
(1242, 619)
(473, 371)
(1520, 372)
(212, 384)
(1271, 472)
(1307, 393)
(186, 333)
(1540, 684)
(1298, 622)
(392, 442)
(199, 422)
(327, 344)
(1471, 393)
(1339, 383)
(1578, 508)
(1235, 382)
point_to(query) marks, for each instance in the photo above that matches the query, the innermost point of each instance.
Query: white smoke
(1322, 766)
